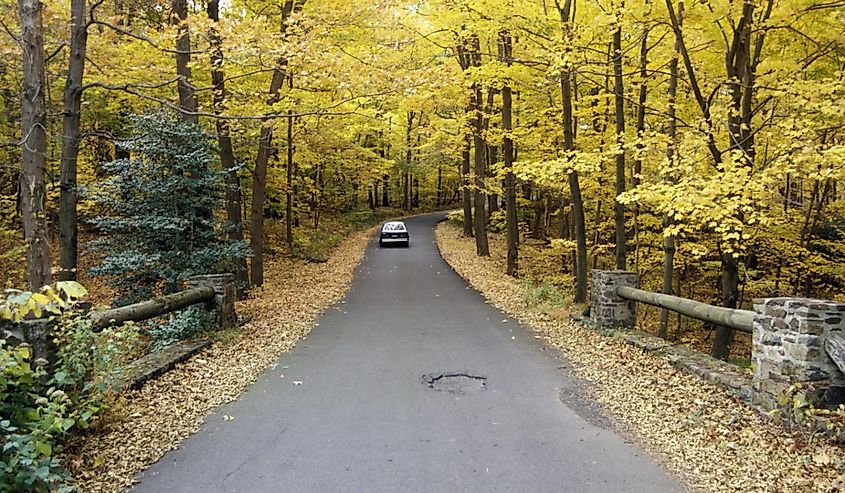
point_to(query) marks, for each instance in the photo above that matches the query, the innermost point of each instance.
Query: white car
(392, 233)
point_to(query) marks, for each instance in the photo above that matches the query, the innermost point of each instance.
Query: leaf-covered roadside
(711, 440)
(155, 419)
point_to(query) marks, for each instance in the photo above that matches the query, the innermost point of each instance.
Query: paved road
(364, 420)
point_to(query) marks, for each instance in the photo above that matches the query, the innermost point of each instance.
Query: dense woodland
(697, 143)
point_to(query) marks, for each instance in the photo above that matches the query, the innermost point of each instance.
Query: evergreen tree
(158, 210)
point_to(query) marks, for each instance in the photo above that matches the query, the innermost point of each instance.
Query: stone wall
(789, 359)
(788, 348)
(607, 308)
(225, 294)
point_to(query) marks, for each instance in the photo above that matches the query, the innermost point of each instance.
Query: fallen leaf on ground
(708, 438)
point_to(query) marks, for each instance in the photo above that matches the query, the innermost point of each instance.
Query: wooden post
(224, 296)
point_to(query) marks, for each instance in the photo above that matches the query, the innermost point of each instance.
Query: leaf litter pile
(147, 423)
(706, 437)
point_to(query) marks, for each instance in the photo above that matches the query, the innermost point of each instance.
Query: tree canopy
(697, 143)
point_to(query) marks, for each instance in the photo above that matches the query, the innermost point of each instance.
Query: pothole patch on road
(454, 382)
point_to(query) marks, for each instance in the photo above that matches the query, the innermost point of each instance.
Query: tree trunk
(385, 202)
(256, 219)
(465, 61)
(68, 222)
(259, 178)
(439, 185)
(234, 220)
(619, 99)
(669, 241)
(34, 141)
(506, 55)
(492, 158)
(187, 99)
(580, 239)
(538, 229)
(730, 295)
(479, 147)
(563, 231)
(289, 185)
(569, 148)
(740, 66)
(638, 161)
(489, 150)
(406, 178)
(466, 195)
(375, 194)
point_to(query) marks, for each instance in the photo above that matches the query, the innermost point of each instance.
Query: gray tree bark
(669, 241)
(466, 189)
(34, 142)
(512, 225)
(568, 147)
(234, 220)
(259, 174)
(187, 99)
(479, 221)
(741, 63)
(68, 221)
(638, 161)
(619, 99)
(289, 186)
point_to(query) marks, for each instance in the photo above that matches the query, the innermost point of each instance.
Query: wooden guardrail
(151, 308)
(742, 320)
(216, 291)
(796, 340)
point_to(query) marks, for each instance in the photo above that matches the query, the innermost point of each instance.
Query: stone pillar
(607, 308)
(225, 294)
(788, 348)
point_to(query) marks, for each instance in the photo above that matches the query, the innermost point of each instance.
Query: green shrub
(456, 217)
(30, 423)
(183, 325)
(498, 222)
(39, 406)
(536, 295)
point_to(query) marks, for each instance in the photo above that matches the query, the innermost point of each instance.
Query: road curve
(366, 419)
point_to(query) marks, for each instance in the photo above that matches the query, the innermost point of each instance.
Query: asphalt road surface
(371, 414)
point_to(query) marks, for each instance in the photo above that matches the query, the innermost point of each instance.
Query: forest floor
(547, 280)
(708, 438)
(143, 425)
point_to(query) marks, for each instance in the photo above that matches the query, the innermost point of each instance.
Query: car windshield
(394, 227)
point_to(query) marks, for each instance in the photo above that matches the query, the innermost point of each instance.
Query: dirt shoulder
(147, 423)
(708, 438)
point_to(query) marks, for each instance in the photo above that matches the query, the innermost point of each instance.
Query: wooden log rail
(741, 320)
(151, 308)
(796, 340)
